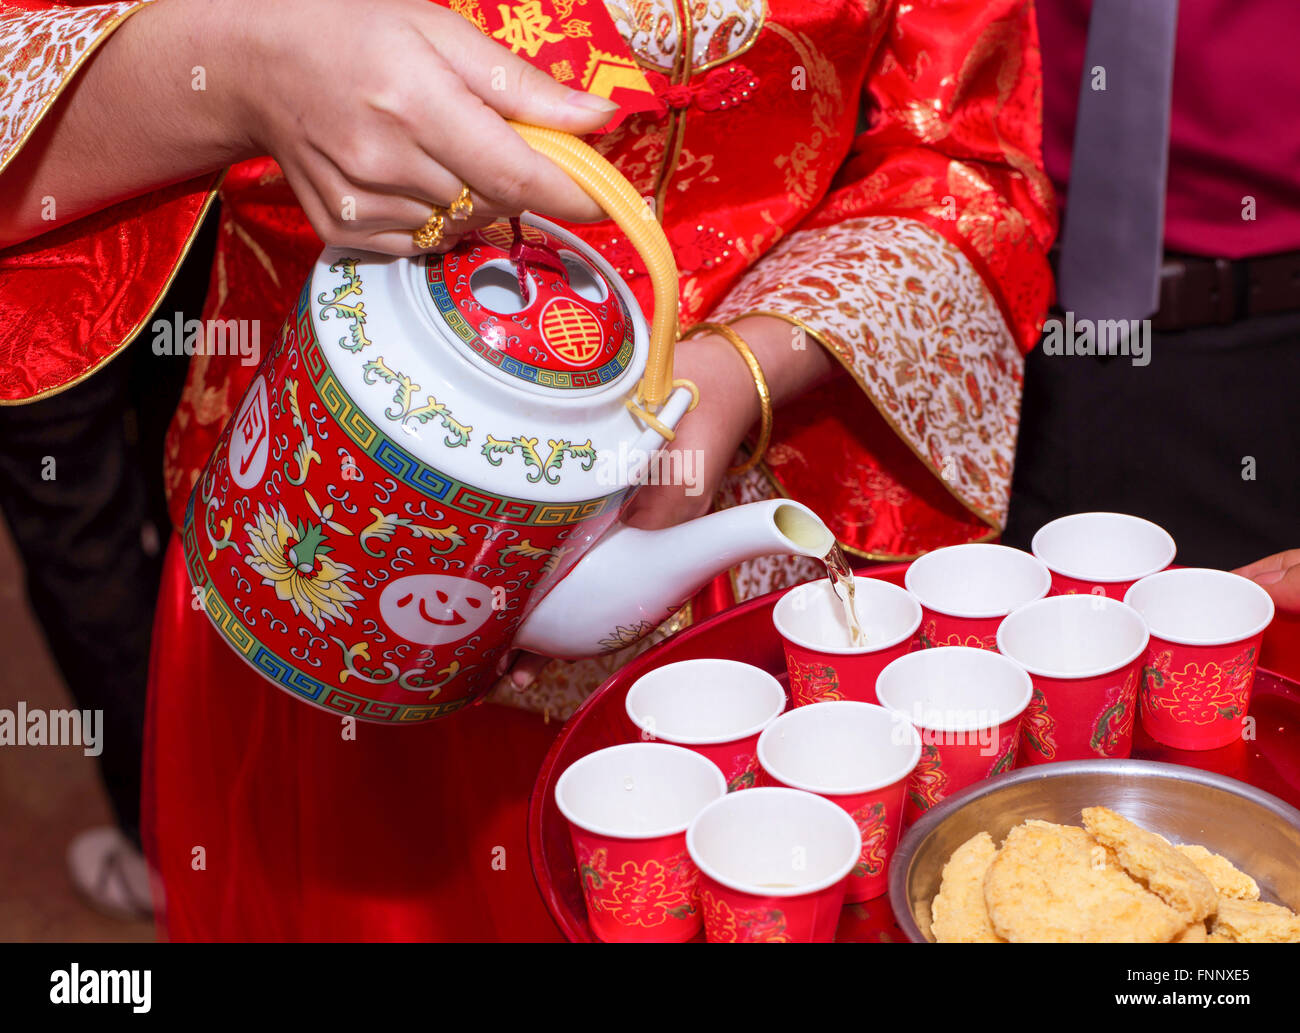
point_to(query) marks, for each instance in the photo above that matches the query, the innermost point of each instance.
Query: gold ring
(462, 207)
(430, 234)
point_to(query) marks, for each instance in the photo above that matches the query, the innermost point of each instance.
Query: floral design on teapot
(404, 408)
(355, 315)
(346, 542)
(293, 559)
(447, 539)
(300, 560)
(625, 635)
(543, 469)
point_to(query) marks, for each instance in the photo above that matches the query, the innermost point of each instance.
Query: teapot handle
(620, 200)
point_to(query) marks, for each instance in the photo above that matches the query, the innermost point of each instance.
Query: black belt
(1196, 291)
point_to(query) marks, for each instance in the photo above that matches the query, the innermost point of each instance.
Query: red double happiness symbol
(572, 333)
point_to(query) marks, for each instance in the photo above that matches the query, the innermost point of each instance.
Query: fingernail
(592, 102)
(1269, 577)
(522, 679)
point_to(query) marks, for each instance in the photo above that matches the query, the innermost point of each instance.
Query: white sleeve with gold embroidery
(908, 316)
(40, 51)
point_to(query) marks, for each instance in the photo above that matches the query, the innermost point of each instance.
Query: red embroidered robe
(866, 170)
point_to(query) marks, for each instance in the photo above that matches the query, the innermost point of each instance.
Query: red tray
(1271, 761)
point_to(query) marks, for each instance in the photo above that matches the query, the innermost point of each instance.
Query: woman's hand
(377, 111)
(708, 437)
(408, 105)
(1279, 576)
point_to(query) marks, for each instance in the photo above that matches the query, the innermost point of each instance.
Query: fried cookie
(958, 913)
(1227, 880)
(1151, 859)
(1044, 886)
(1254, 921)
(1100, 854)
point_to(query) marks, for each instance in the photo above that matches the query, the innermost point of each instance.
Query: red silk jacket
(867, 170)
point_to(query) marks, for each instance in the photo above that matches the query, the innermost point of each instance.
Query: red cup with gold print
(715, 707)
(1101, 553)
(967, 705)
(1206, 629)
(1084, 654)
(628, 808)
(857, 755)
(820, 656)
(966, 590)
(773, 866)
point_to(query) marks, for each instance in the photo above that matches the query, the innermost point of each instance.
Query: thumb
(516, 90)
(1283, 586)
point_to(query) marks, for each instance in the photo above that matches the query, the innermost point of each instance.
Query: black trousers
(91, 579)
(92, 536)
(1204, 440)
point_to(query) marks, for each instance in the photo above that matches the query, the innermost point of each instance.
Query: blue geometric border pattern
(280, 671)
(411, 471)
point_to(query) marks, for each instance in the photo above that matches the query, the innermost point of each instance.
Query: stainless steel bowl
(1254, 830)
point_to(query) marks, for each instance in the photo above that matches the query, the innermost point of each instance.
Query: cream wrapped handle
(608, 188)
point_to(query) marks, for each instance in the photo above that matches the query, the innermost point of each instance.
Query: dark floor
(47, 794)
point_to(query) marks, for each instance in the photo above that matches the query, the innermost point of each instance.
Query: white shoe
(111, 873)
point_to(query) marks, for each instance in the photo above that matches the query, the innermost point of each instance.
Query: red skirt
(266, 819)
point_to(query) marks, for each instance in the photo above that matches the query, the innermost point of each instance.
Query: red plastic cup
(774, 866)
(822, 662)
(715, 707)
(1206, 628)
(967, 704)
(628, 808)
(1084, 654)
(966, 590)
(856, 755)
(1101, 553)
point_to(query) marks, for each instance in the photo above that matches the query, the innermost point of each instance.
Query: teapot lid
(521, 300)
(421, 384)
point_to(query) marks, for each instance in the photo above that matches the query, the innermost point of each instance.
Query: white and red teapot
(428, 467)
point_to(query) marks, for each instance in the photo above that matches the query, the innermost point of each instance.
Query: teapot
(428, 467)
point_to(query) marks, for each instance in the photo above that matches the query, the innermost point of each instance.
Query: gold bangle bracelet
(760, 382)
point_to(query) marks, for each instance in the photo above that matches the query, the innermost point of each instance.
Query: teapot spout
(632, 580)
